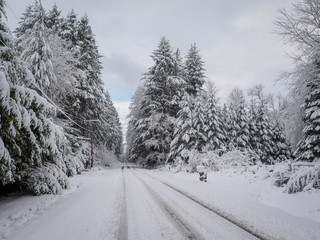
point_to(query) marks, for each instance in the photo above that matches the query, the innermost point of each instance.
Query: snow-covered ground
(127, 203)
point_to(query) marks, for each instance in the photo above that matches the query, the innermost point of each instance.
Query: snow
(251, 198)
(127, 203)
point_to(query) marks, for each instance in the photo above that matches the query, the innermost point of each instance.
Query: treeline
(51, 90)
(177, 111)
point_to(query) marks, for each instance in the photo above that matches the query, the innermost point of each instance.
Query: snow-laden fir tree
(300, 27)
(176, 84)
(194, 71)
(184, 132)
(132, 132)
(226, 124)
(156, 121)
(233, 127)
(54, 20)
(31, 146)
(252, 120)
(309, 146)
(35, 49)
(264, 141)
(242, 128)
(199, 139)
(213, 123)
(70, 26)
(280, 148)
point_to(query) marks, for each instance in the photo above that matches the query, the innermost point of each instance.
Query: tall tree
(300, 27)
(213, 123)
(31, 144)
(243, 133)
(53, 19)
(194, 71)
(36, 49)
(184, 132)
(156, 122)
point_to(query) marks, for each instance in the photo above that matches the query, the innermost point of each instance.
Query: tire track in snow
(123, 225)
(177, 220)
(249, 229)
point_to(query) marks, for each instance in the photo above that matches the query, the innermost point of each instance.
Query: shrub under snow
(48, 179)
(304, 179)
(212, 161)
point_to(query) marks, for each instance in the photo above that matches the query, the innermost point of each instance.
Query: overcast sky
(235, 39)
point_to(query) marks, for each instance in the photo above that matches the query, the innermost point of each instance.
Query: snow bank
(249, 195)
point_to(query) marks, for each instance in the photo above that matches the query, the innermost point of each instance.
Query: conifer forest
(64, 142)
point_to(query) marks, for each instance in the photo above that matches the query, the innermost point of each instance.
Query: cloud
(234, 37)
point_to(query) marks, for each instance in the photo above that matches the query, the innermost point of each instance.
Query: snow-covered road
(129, 203)
(126, 203)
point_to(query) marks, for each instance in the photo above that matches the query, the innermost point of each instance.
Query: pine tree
(29, 140)
(156, 123)
(213, 123)
(264, 141)
(132, 132)
(233, 127)
(53, 19)
(242, 128)
(37, 52)
(199, 140)
(184, 133)
(280, 147)
(226, 124)
(194, 71)
(252, 119)
(309, 147)
(70, 26)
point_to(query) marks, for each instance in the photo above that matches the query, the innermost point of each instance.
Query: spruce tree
(233, 127)
(264, 140)
(156, 123)
(194, 71)
(309, 147)
(31, 143)
(199, 139)
(36, 50)
(213, 123)
(280, 148)
(53, 19)
(184, 132)
(70, 26)
(242, 128)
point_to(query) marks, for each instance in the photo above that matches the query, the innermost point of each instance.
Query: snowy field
(132, 203)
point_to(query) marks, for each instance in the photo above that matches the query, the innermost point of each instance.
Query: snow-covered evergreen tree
(70, 26)
(156, 122)
(242, 128)
(264, 142)
(309, 146)
(29, 140)
(199, 139)
(233, 127)
(132, 132)
(300, 28)
(184, 133)
(36, 49)
(280, 147)
(54, 20)
(194, 71)
(213, 123)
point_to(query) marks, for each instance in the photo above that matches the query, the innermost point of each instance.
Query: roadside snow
(249, 196)
(17, 209)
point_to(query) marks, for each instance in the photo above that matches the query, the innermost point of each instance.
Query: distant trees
(162, 131)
